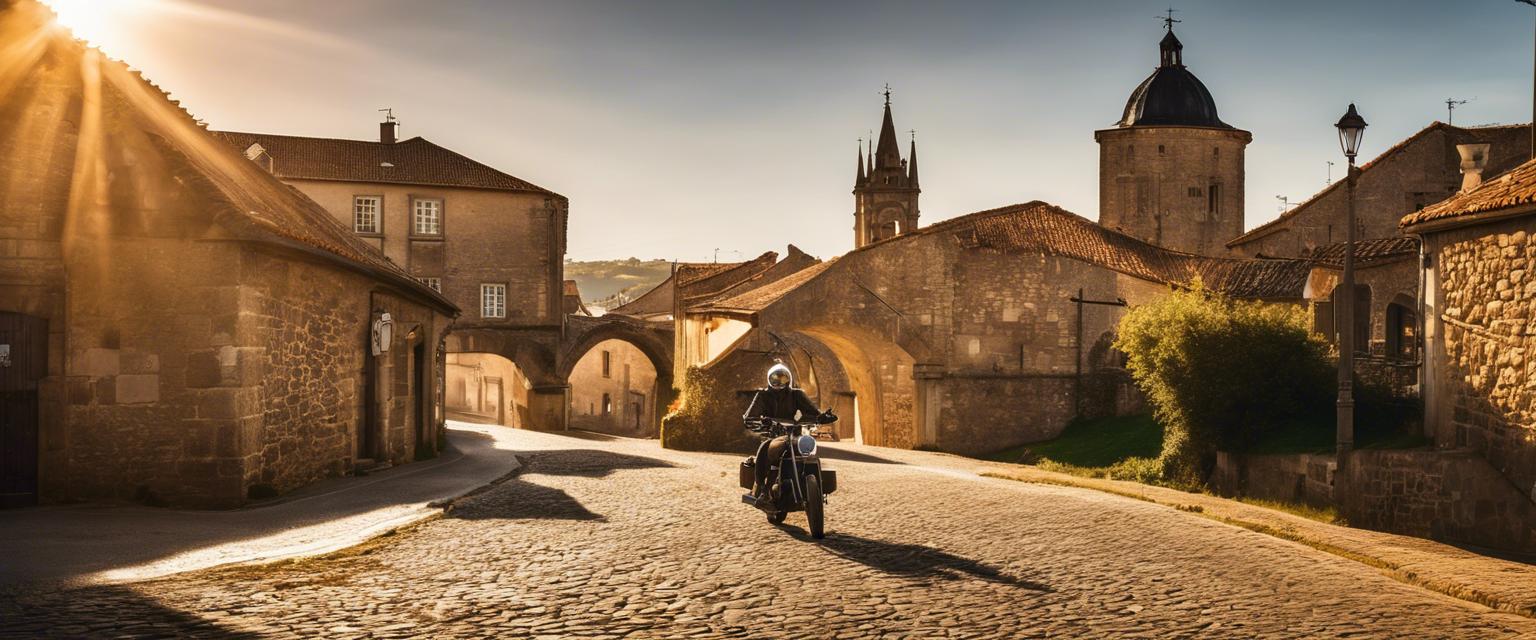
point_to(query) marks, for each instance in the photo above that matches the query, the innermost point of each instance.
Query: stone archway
(642, 341)
(534, 355)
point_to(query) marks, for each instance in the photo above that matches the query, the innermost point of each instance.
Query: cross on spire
(1168, 20)
(887, 94)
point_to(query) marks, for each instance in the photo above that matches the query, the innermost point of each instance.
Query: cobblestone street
(604, 537)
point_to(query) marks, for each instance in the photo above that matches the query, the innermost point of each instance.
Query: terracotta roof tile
(1513, 189)
(759, 298)
(1366, 250)
(412, 161)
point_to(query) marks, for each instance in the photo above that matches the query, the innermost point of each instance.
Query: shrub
(1219, 372)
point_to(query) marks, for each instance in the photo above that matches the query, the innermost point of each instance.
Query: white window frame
(427, 217)
(493, 300)
(435, 283)
(376, 215)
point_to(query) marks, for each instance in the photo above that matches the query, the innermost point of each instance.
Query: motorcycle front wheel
(813, 506)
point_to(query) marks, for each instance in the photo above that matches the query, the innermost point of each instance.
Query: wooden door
(23, 363)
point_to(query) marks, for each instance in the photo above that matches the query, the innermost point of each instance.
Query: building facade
(1170, 171)
(492, 243)
(177, 327)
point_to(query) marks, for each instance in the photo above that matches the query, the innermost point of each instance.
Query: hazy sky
(680, 127)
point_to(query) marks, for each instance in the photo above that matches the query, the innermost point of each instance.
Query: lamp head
(1351, 132)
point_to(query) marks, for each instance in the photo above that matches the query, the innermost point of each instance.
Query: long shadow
(834, 453)
(913, 561)
(518, 499)
(101, 612)
(580, 435)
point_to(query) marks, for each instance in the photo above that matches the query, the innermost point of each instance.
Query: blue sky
(677, 128)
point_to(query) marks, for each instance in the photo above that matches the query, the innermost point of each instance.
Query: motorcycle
(796, 481)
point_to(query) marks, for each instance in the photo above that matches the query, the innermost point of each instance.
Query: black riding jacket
(782, 404)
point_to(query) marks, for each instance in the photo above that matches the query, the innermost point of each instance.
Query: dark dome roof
(1171, 96)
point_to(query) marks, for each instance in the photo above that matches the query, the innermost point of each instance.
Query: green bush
(1220, 372)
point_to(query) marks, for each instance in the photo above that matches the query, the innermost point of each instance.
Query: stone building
(615, 392)
(1479, 254)
(1418, 171)
(177, 326)
(492, 243)
(1170, 171)
(963, 335)
(885, 187)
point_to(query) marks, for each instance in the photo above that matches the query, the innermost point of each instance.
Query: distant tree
(1220, 372)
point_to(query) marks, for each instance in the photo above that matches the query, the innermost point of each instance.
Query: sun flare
(99, 22)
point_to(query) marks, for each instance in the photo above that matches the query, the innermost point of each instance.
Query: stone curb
(1501, 585)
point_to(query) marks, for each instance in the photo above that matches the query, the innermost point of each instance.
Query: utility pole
(1077, 380)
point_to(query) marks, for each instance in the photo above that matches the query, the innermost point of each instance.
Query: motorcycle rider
(782, 400)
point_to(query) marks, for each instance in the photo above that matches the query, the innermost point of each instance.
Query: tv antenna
(1330, 174)
(1450, 108)
(1285, 203)
(389, 114)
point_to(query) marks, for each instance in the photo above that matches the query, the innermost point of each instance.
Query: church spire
(912, 164)
(859, 175)
(887, 151)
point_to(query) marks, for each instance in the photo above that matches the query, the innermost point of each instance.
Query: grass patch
(1326, 515)
(1087, 444)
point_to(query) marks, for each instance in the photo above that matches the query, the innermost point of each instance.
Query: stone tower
(1171, 172)
(885, 188)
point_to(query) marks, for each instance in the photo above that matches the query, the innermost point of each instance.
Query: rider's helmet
(779, 376)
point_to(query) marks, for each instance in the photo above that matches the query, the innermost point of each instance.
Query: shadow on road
(518, 499)
(101, 611)
(913, 561)
(580, 435)
(833, 453)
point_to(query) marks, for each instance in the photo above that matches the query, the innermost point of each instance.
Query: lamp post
(1351, 131)
(1533, 94)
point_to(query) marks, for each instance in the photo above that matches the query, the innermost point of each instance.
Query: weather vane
(913, 133)
(887, 94)
(1168, 20)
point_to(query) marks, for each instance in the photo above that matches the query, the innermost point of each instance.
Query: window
(493, 301)
(428, 217)
(1402, 329)
(607, 364)
(607, 404)
(1213, 199)
(435, 283)
(1215, 152)
(1194, 192)
(1161, 150)
(365, 214)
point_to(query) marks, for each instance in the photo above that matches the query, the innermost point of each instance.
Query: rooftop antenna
(1450, 108)
(1285, 203)
(1330, 174)
(389, 114)
(1168, 20)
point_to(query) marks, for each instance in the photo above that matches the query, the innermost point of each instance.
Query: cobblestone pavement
(602, 537)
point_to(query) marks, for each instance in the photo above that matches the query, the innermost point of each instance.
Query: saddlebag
(748, 473)
(828, 481)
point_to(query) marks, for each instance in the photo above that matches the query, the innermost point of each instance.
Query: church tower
(885, 187)
(1170, 171)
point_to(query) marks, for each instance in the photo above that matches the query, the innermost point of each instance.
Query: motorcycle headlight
(806, 445)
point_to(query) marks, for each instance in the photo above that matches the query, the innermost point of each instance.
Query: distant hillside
(602, 279)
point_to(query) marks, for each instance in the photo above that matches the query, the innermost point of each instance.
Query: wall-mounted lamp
(383, 332)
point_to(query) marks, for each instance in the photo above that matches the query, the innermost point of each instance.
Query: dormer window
(258, 154)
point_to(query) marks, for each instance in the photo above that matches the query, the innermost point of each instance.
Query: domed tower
(885, 190)
(1171, 172)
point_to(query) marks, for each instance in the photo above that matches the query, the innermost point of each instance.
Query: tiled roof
(413, 161)
(793, 263)
(700, 283)
(759, 298)
(1513, 189)
(142, 119)
(1274, 225)
(1366, 250)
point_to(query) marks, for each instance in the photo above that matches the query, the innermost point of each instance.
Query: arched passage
(872, 384)
(619, 374)
(486, 388)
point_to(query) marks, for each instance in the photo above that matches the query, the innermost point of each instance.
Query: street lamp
(1533, 94)
(1351, 131)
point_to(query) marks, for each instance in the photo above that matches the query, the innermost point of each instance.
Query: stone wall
(487, 388)
(1446, 495)
(1155, 184)
(1300, 478)
(1483, 376)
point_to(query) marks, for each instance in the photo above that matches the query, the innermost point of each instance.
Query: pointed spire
(912, 164)
(869, 158)
(1172, 49)
(859, 175)
(887, 153)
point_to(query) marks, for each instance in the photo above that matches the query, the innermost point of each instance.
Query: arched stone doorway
(614, 390)
(486, 388)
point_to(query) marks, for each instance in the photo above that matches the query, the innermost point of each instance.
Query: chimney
(1474, 159)
(387, 131)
